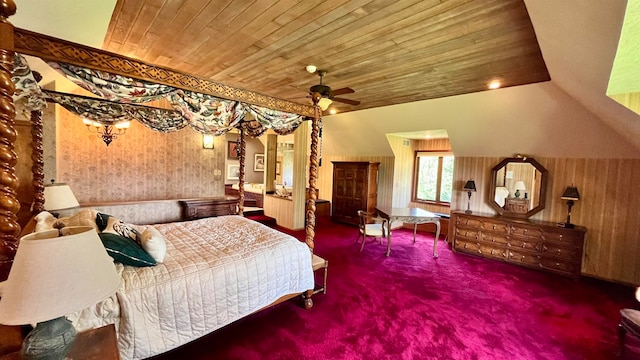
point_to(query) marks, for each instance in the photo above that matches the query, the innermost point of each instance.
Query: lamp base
(49, 340)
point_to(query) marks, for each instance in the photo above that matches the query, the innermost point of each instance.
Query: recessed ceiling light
(332, 111)
(494, 84)
(311, 69)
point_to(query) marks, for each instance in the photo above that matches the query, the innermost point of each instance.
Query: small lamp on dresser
(469, 187)
(570, 194)
(54, 275)
(519, 186)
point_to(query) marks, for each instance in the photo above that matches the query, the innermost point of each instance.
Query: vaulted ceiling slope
(393, 52)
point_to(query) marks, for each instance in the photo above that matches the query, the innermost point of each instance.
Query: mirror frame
(543, 187)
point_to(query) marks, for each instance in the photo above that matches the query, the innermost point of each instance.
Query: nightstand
(94, 344)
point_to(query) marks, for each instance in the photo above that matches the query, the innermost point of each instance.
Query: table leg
(415, 227)
(435, 240)
(389, 240)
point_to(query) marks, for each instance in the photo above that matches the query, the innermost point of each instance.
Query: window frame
(414, 188)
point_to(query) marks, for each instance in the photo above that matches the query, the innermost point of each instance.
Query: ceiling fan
(330, 95)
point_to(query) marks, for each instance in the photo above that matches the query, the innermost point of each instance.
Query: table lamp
(517, 187)
(54, 275)
(570, 194)
(469, 187)
(58, 196)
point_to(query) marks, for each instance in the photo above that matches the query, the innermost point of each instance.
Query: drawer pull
(524, 245)
(525, 231)
(494, 227)
(465, 245)
(493, 240)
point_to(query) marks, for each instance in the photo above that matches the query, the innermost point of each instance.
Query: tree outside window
(433, 177)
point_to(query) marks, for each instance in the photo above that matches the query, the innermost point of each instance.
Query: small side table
(319, 263)
(94, 344)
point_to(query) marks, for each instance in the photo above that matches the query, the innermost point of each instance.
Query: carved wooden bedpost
(9, 205)
(316, 122)
(37, 158)
(241, 157)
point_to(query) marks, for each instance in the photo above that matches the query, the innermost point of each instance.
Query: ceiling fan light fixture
(311, 69)
(324, 103)
(333, 111)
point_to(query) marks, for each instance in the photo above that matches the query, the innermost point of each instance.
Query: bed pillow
(113, 225)
(126, 251)
(44, 221)
(85, 217)
(153, 242)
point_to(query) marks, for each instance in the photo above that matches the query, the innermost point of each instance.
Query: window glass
(434, 177)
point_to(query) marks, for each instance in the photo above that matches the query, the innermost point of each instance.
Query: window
(433, 177)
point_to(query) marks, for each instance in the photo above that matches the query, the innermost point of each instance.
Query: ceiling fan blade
(342, 91)
(346, 101)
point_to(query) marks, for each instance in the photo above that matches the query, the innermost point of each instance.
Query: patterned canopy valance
(204, 113)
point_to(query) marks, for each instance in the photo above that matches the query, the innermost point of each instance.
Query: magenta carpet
(411, 306)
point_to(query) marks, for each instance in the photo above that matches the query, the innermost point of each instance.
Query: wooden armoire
(355, 187)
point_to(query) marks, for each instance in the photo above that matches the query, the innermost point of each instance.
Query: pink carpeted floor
(411, 306)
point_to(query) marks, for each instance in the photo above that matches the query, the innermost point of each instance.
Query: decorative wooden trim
(9, 205)
(37, 158)
(50, 48)
(242, 158)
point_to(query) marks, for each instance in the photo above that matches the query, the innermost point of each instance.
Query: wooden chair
(372, 225)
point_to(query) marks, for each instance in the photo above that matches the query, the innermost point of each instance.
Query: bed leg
(306, 298)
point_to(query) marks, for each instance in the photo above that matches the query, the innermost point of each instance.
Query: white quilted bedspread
(217, 270)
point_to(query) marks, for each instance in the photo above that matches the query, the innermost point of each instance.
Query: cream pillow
(84, 217)
(153, 242)
(44, 221)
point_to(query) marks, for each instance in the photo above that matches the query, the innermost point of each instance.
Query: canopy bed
(206, 106)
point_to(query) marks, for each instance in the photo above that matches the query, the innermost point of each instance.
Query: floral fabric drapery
(26, 84)
(204, 113)
(113, 87)
(110, 113)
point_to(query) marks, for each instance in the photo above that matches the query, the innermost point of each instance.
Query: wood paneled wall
(608, 207)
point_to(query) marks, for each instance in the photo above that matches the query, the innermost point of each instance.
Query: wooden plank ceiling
(388, 51)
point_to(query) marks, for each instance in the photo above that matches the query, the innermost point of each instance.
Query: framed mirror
(518, 187)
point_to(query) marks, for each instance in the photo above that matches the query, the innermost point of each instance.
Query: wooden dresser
(355, 187)
(534, 244)
(208, 207)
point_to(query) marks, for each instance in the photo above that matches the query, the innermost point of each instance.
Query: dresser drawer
(523, 230)
(466, 245)
(526, 258)
(496, 227)
(494, 238)
(559, 265)
(561, 238)
(493, 252)
(468, 233)
(468, 222)
(568, 253)
(523, 243)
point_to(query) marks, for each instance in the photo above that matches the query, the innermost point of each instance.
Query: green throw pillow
(126, 251)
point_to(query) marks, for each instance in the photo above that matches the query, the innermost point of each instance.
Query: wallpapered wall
(139, 165)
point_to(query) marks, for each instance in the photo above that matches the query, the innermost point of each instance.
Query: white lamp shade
(59, 196)
(54, 276)
(324, 103)
(207, 141)
(519, 185)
